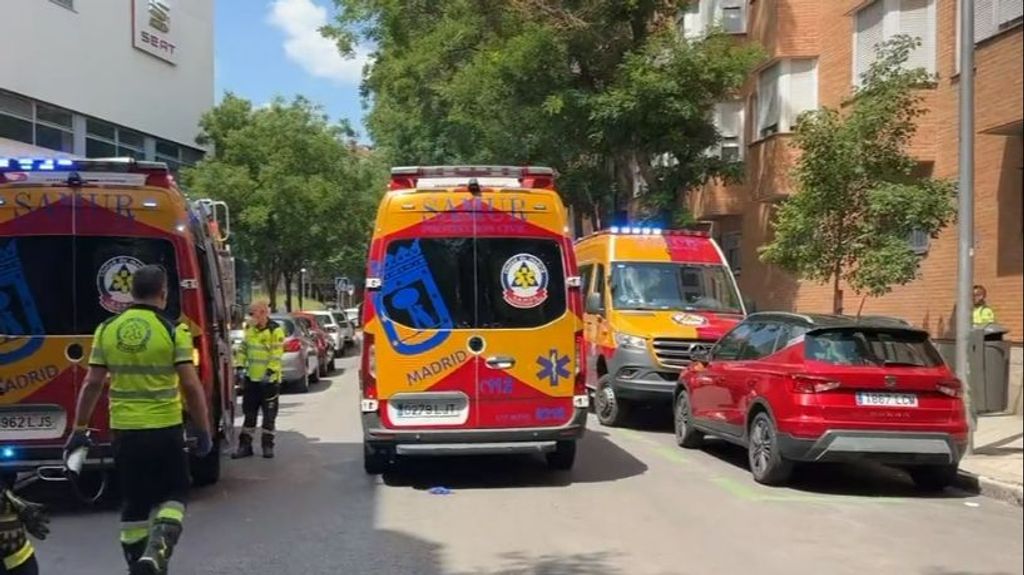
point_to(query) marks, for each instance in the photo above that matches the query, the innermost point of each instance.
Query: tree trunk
(288, 291)
(837, 294)
(270, 280)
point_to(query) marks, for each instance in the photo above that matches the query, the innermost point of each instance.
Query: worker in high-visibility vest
(982, 314)
(19, 519)
(259, 362)
(150, 364)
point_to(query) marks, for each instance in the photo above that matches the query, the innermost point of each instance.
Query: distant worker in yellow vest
(149, 360)
(983, 314)
(259, 362)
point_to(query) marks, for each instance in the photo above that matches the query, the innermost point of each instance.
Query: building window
(16, 118)
(881, 20)
(729, 122)
(919, 242)
(700, 16)
(176, 156)
(731, 250)
(991, 17)
(785, 90)
(105, 140)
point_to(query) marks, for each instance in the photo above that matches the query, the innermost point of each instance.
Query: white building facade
(102, 78)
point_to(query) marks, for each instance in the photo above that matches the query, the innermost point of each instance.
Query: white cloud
(300, 20)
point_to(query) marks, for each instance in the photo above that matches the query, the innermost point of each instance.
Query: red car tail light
(292, 345)
(950, 387)
(812, 384)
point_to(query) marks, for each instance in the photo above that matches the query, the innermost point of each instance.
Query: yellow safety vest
(983, 315)
(141, 348)
(261, 351)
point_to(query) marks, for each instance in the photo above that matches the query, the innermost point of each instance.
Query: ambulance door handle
(501, 362)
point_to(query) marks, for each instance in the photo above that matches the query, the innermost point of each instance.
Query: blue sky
(266, 48)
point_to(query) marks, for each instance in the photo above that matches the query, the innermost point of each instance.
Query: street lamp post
(302, 286)
(965, 215)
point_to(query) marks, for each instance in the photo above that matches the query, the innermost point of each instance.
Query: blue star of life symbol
(553, 367)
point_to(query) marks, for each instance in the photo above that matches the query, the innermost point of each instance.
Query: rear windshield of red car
(287, 324)
(875, 347)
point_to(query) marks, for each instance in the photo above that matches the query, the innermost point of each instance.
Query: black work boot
(244, 447)
(132, 552)
(268, 445)
(163, 536)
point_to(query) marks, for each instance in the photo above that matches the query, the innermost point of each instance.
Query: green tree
(859, 194)
(299, 194)
(605, 92)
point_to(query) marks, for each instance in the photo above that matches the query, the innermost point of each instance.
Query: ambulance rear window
(465, 283)
(63, 285)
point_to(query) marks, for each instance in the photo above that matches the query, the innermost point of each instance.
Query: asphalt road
(634, 505)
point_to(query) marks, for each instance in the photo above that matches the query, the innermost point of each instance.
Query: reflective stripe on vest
(144, 394)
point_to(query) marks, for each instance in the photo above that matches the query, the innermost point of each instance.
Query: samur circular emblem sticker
(524, 279)
(114, 282)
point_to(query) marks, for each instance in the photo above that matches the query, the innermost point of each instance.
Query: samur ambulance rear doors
(476, 330)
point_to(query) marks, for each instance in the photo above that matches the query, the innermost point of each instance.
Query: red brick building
(816, 51)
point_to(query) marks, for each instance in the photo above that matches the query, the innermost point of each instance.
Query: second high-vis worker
(259, 361)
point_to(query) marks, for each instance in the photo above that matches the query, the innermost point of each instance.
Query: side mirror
(594, 304)
(701, 356)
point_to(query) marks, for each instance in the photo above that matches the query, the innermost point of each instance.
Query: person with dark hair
(19, 519)
(983, 314)
(149, 360)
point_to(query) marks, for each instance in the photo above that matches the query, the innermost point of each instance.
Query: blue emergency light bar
(650, 231)
(84, 165)
(35, 164)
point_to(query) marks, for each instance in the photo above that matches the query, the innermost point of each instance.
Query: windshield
(872, 347)
(323, 320)
(673, 286)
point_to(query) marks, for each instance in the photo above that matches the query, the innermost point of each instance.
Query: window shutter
(1009, 10)
(734, 16)
(803, 89)
(768, 112)
(984, 19)
(917, 19)
(869, 36)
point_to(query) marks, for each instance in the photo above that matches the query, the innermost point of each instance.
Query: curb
(992, 488)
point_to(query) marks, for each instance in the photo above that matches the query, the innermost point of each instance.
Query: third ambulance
(472, 319)
(653, 297)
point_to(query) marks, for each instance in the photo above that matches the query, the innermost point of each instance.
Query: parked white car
(338, 327)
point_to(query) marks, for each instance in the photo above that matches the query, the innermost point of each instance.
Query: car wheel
(332, 366)
(323, 367)
(301, 385)
(686, 434)
(766, 462)
(933, 478)
(563, 457)
(611, 411)
(375, 462)
(315, 376)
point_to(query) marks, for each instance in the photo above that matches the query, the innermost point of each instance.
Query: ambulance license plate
(32, 422)
(441, 409)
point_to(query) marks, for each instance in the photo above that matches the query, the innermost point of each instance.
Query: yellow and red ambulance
(72, 233)
(653, 299)
(473, 338)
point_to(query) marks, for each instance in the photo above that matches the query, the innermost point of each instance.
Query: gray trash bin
(990, 368)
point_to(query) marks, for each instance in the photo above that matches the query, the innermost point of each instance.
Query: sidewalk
(996, 468)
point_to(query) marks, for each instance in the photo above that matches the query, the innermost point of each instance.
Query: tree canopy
(859, 193)
(299, 194)
(608, 93)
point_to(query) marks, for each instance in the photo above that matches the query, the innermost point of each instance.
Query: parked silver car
(299, 363)
(337, 325)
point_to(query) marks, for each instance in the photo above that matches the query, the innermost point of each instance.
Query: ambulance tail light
(368, 369)
(579, 391)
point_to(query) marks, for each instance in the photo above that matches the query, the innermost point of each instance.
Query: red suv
(808, 388)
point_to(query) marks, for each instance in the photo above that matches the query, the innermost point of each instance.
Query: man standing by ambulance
(259, 361)
(149, 360)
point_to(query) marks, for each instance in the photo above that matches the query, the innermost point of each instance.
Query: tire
(763, 454)
(301, 385)
(686, 435)
(933, 478)
(563, 457)
(323, 369)
(315, 376)
(611, 412)
(374, 462)
(333, 365)
(206, 470)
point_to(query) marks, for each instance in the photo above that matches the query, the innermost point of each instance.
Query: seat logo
(890, 381)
